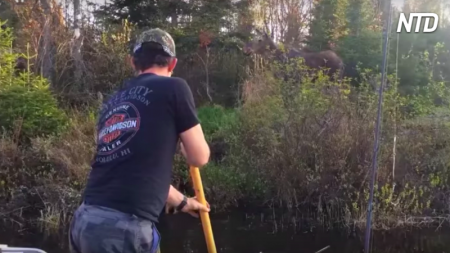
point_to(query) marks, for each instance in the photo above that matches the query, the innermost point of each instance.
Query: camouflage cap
(158, 36)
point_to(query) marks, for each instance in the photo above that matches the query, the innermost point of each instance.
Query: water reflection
(236, 234)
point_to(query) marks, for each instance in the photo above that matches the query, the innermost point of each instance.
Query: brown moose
(264, 45)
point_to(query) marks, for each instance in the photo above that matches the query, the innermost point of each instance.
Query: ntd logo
(407, 24)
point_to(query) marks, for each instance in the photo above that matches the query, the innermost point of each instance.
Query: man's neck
(156, 71)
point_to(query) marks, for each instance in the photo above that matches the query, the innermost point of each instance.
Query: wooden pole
(204, 216)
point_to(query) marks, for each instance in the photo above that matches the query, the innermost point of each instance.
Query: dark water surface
(240, 234)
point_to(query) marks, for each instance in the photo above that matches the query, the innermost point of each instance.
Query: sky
(397, 3)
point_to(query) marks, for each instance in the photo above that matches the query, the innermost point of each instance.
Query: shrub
(45, 178)
(216, 122)
(215, 119)
(30, 111)
(28, 106)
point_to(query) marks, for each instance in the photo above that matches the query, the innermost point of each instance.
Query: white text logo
(407, 24)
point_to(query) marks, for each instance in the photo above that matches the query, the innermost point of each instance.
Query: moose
(264, 45)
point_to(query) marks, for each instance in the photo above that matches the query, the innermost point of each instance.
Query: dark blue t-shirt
(137, 134)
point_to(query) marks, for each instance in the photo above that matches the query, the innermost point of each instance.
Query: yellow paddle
(204, 216)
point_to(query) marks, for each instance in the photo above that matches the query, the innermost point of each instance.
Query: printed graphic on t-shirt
(120, 122)
(137, 94)
(116, 128)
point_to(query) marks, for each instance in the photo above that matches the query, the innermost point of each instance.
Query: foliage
(311, 148)
(215, 119)
(28, 107)
(44, 179)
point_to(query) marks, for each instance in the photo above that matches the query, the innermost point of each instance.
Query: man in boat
(138, 131)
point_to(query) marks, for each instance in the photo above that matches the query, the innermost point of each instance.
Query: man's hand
(193, 206)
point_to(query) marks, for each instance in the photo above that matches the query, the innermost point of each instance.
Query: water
(238, 234)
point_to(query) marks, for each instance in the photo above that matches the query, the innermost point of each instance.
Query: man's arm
(198, 149)
(194, 146)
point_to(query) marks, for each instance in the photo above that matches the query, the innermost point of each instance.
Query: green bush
(30, 112)
(216, 122)
(28, 107)
(216, 119)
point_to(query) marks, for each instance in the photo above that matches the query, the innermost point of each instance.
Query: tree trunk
(46, 48)
(77, 42)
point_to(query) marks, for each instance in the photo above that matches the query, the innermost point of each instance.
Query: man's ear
(130, 61)
(172, 64)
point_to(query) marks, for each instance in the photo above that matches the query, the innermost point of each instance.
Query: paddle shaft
(204, 216)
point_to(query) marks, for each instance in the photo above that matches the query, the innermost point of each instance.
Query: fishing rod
(386, 31)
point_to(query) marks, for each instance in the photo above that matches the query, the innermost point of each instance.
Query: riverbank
(42, 180)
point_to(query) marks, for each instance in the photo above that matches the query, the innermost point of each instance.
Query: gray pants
(96, 229)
